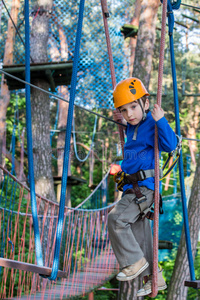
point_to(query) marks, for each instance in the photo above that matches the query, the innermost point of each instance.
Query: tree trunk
(40, 106)
(8, 60)
(62, 121)
(133, 40)
(10, 40)
(145, 40)
(176, 289)
(41, 141)
(4, 101)
(128, 290)
(63, 111)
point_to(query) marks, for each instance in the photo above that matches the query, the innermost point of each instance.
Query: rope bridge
(86, 257)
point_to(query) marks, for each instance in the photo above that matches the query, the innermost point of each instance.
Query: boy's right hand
(117, 116)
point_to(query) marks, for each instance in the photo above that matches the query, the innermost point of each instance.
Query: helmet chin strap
(143, 118)
(144, 115)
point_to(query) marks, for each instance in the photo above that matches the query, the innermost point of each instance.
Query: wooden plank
(39, 67)
(14, 264)
(70, 288)
(92, 276)
(55, 73)
(194, 284)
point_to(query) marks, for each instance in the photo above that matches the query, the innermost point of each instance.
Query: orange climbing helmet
(128, 90)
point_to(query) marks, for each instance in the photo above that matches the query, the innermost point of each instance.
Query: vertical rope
(156, 153)
(178, 131)
(67, 143)
(38, 248)
(112, 69)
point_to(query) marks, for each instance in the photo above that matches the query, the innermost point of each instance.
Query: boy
(129, 230)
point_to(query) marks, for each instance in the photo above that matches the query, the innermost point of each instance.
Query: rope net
(86, 255)
(94, 84)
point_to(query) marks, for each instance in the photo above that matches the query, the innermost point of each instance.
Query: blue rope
(13, 150)
(38, 248)
(178, 131)
(92, 142)
(67, 144)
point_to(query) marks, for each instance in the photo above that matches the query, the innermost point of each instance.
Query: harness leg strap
(141, 200)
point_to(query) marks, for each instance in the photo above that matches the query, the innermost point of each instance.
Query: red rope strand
(112, 69)
(156, 203)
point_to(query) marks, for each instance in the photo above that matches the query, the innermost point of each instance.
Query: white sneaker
(133, 271)
(147, 288)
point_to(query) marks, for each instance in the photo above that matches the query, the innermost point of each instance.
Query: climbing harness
(122, 178)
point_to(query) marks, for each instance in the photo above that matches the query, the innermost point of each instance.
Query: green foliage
(15, 118)
(103, 293)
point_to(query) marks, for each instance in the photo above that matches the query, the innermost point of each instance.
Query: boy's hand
(157, 112)
(117, 116)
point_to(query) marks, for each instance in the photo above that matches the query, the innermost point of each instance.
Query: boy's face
(132, 111)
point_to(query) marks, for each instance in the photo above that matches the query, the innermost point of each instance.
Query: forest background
(94, 91)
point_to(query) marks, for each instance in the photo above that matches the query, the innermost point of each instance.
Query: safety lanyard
(172, 154)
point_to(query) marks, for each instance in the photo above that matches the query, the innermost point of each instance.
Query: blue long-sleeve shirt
(139, 153)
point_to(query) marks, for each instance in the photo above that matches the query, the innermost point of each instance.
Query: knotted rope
(156, 153)
(112, 69)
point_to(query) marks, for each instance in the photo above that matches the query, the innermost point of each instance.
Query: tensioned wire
(195, 7)
(78, 106)
(60, 98)
(77, 208)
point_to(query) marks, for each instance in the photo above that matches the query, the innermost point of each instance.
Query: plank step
(14, 264)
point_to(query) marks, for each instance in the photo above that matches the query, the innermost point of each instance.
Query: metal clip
(142, 174)
(140, 200)
(179, 146)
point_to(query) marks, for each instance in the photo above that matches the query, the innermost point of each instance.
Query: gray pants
(130, 236)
